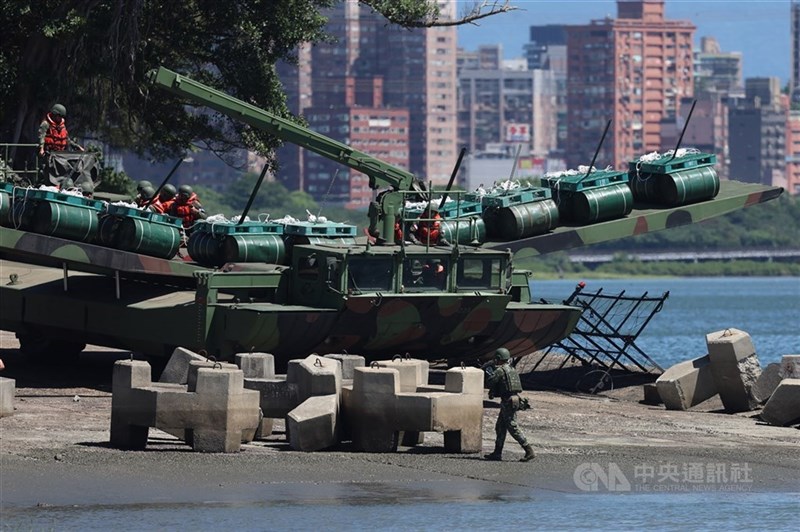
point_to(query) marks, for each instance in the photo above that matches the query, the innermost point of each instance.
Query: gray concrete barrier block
(783, 407)
(313, 426)
(349, 364)
(735, 367)
(651, 395)
(464, 380)
(413, 372)
(790, 367)
(315, 375)
(7, 391)
(686, 384)
(177, 369)
(278, 397)
(766, 383)
(256, 365)
(196, 365)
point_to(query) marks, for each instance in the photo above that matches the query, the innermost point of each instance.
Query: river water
(767, 308)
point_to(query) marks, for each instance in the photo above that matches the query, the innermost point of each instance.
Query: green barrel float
(6, 193)
(674, 181)
(56, 214)
(254, 247)
(470, 230)
(521, 221)
(150, 233)
(594, 197)
(598, 204)
(215, 243)
(205, 248)
(331, 233)
(690, 186)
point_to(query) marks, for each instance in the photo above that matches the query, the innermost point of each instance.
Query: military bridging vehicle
(81, 271)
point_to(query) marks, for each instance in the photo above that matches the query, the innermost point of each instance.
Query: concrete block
(278, 397)
(256, 365)
(313, 426)
(735, 367)
(196, 365)
(349, 364)
(7, 391)
(790, 367)
(464, 380)
(213, 416)
(651, 396)
(767, 382)
(177, 369)
(686, 384)
(315, 375)
(783, 407)
(413, 372)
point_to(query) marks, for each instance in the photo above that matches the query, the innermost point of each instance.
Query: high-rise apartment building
(633, 70)
(715, 70)
(793, 153)
(757, 133)
(547, 50)
(372, 86)
(795, 37)
(510, 105)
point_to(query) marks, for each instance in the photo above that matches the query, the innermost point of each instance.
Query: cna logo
(591, 476)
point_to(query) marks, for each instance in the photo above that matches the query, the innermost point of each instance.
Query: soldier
(429, 232)
(145, 195)
(503, 382)
(165, 199)
(140, 185)
(53, 134)
(187, 206)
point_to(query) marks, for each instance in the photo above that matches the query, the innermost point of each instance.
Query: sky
(757, 28)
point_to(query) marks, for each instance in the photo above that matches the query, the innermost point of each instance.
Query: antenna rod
(252, 196)
(453, 176)
(158, 190)
(685, 125)
(597, 151)
(516, 162)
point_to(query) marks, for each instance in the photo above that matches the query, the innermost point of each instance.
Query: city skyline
(758, 29)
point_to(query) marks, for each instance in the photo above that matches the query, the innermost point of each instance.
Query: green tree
(93, 56)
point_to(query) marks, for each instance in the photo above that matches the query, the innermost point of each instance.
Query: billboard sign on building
(518, 132)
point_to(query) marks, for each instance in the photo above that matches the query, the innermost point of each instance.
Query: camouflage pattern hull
(156, 318)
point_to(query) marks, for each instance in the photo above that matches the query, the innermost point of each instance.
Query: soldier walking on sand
(503, 382)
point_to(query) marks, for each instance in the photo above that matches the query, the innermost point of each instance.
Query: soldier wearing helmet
(53, 134)
(145, 195)
(503, 382)
(187, 206)
(165, 199)
(428, 231)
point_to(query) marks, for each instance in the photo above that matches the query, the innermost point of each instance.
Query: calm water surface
(768, 308)
(708, 511)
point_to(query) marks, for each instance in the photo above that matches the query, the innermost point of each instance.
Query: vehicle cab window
(374, 274)
(425, 274)
(479, 273)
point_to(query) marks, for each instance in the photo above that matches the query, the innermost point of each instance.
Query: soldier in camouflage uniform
(503, 382)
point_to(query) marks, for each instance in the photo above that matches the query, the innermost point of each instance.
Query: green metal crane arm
(379, 173)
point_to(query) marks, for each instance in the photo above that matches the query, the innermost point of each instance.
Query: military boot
(495, 456)
(528, 454)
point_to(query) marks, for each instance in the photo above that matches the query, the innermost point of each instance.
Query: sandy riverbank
(54, 451)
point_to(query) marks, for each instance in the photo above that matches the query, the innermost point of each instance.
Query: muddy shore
(54, 451)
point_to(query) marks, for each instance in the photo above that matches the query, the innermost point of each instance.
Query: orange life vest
(56, 137)
(183, 210)
(429, 229)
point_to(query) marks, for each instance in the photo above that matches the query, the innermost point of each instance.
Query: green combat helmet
(185, 190)
(67, 184)
(59, 109)
(502, 354)
(168, 192)
(148, 192)
(142, 184)
(87, 188)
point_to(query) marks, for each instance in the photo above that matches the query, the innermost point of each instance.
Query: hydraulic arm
(382, 212)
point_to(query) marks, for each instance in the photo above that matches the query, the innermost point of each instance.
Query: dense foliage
(93, 56)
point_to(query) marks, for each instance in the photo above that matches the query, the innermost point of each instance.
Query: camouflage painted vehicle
(457, 302)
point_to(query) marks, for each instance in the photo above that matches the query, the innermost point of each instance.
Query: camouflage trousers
(507, 423)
